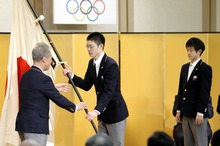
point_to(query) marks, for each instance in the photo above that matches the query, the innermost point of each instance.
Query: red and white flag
(25, 33)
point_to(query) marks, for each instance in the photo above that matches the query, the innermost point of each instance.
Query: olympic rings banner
(84, 11)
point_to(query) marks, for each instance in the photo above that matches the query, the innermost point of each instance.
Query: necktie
(95, 68)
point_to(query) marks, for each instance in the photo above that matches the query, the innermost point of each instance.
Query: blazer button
(184, 98)
(97, 92)
(185, 90)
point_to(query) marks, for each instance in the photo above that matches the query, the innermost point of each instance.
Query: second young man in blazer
(103, 73)
(194, 92)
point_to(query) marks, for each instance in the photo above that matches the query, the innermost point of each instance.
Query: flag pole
(60, 59)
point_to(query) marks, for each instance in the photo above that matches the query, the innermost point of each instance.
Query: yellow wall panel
(64, 120)
(4, 47)
(142, 85)
(214, 61)
(83, 128)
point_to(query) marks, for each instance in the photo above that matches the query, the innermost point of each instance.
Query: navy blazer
(110, 102)
(36, 89)
(194, 94)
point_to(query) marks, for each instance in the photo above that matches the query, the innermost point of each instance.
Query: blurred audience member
(100, 139)
(160, 138)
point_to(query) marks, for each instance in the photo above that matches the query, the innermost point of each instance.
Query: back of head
(29, 142)
(160, 138)
(215, 141)
(99, 140)
(39, 51)
(196, 43)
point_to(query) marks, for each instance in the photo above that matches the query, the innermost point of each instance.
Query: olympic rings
(86, 8)
(77, 18)
(95, 7)
(67, 8)
(96, 13)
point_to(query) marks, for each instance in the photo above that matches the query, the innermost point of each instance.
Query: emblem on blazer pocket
(194, 78)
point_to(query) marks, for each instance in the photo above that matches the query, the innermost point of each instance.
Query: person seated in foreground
(215, 141)
(100, 139)
(160, 138)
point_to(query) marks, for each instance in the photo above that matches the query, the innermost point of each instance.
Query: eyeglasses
(90, 46)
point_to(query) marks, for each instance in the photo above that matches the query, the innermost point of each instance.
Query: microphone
(40, 18)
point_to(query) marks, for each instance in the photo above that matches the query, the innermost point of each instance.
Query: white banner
(84, 11)
(6, 15)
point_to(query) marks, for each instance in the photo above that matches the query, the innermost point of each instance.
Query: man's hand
(199, 120)
(178, 119)
(62, 87)
(91, 115)
(81, 105)
(67, 71)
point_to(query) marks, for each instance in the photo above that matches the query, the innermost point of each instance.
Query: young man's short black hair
(97, 37)
(196, 43)
(160, 138)
(215, 141)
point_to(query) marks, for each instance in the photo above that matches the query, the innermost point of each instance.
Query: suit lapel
(186, 71)
(198, 65)
(194, 72)
(104, 59)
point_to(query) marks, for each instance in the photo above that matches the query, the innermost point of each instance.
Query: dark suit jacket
(110, 102)
(194, 94)
(36, 89)
(218, 105)
(209, 107)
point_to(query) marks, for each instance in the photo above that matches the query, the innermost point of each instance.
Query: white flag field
(25, 33)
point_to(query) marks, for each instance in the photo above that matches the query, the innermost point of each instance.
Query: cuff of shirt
(200, 114)
(97, 112)
(72, 76)
(178, 111)
(76, 108)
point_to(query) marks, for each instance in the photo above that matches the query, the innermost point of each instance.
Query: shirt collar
(98, 61)
(195, 62)
(38, 68)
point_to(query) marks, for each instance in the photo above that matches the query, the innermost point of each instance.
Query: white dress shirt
(191, 67)
(97, 63)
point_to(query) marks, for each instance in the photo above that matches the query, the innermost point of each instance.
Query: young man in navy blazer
(36, 89)
(103, 73)
(194, 92)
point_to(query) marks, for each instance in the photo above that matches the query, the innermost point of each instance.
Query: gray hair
(100, 139)
(40, 50)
